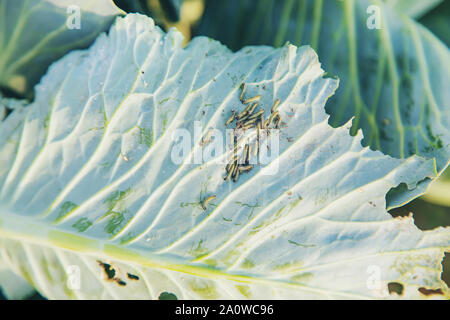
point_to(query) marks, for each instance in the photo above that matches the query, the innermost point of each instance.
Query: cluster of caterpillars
(251, 117)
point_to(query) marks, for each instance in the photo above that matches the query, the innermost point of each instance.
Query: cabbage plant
(140, 168)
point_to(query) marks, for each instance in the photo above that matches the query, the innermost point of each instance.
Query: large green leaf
(34, 33)
(394, 80)
(437, 20)
(88, 181)
(413, 8)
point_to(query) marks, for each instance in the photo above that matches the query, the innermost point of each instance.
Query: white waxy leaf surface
(87, 178)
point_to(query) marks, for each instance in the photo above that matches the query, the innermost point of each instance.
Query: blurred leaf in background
(438, 21)
(134, 6)
(162, 10)
(413, 8)
(33, 34)
(439, 191)
(189, 13)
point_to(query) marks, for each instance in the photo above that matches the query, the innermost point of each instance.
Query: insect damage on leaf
(207, 200)
(111, 273)
(132, 276)
(245, 120)
(429, 292)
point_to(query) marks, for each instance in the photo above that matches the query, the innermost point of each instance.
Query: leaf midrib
(49, 237)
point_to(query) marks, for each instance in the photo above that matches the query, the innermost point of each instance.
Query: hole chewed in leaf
(395, 287)
(445, 276)
(429, 292)
(167, 296)
(111, 273)
(132, 276)
(121, 283)
(427, 216)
